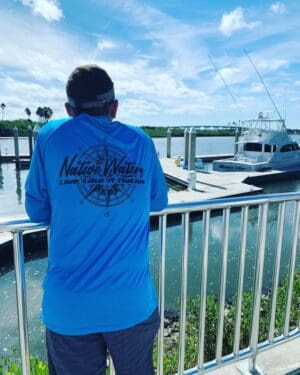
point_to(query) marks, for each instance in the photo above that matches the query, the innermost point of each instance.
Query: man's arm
(36, 199)
(159, 190)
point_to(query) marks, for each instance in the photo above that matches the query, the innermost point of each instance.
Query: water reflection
(1, 177)
(11, 190)
(18, 186)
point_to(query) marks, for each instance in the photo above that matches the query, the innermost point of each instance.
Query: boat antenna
(265, 86)
(222, 78)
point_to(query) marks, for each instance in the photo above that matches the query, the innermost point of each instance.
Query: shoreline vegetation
(7, 126)
(10, 365)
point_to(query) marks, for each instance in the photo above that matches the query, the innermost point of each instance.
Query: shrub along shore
(6, 130)
(11, 365)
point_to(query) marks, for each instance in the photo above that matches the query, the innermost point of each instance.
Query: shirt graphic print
(103, 174)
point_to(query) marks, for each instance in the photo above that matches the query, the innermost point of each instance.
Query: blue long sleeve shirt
(95, 182)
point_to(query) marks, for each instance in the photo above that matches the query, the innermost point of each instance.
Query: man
(95, 181)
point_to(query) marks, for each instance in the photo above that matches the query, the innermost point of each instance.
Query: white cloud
(175, 43)
(49, 9)
(106, 45)
(257, 87)
(229, 74)
(138, 106)
(295, 99)
(273, 64)
(278, 8)
(235, 21)
(297, 83)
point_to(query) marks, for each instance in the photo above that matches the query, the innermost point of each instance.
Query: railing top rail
(23, 224)
(228, 203)
(19, 225)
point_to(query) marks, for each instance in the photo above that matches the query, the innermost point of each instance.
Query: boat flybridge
(264, 144)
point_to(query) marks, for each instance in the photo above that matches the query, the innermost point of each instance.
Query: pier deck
(214, 185)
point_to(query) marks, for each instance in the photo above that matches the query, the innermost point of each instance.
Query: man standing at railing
(94, 181)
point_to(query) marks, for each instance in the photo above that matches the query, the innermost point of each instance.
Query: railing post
(243, 241)
(202, 312)
(259, 269)
(162, 276)
(21, 300)
(292, 264)
(223, 277)
(184, 270)
(276, 270)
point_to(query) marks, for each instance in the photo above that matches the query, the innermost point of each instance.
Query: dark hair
(84, 84)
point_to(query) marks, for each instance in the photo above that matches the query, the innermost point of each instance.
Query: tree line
(43, 113)
(7, 126)
(161, 131)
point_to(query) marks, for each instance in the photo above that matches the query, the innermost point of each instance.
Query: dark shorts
(130, 349)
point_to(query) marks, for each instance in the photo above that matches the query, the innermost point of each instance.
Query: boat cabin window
(290, 147)
(270, 148)
(253, 147)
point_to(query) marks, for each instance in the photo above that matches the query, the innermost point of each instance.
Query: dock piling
(35, 132)
(169, 137)
(186, 147)
(236, 138)
(192, 180)
(30, 133)
(192, 149)
(16, 144)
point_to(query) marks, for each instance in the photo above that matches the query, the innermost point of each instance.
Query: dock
(216, 185)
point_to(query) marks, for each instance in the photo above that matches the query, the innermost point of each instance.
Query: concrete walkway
(283, 359)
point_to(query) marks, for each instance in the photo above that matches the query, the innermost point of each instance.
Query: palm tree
(47, 113)
(28, 112)
(40, 113)
(44, 113)
(3, 106)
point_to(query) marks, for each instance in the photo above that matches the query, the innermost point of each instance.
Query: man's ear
(70, 110)
(113, 108)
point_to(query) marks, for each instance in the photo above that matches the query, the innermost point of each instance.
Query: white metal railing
(262, 202)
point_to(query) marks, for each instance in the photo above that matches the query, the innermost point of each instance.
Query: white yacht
(264, 144)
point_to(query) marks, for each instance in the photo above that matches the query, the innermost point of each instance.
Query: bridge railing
(287, 204)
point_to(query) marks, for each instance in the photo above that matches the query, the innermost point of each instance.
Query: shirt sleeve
(37, 202)
(159, 191)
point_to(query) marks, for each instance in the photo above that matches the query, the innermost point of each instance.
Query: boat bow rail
(225, 207)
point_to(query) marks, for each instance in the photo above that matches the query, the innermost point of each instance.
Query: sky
(157, 53)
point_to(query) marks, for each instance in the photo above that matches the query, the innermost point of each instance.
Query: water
(12, 182)
(12, 202)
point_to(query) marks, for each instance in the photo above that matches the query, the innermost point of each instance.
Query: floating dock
(214, 185)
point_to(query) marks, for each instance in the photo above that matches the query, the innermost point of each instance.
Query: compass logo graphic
(103, 174)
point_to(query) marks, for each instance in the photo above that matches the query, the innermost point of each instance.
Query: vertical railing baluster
(162, 276)
(112, 370)
(48, 239)
(202, 312)
(240, 287)
(259, 270)
(276, 270)
(292, 264)
(184, 269)
(21, 300)
(221, 314)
